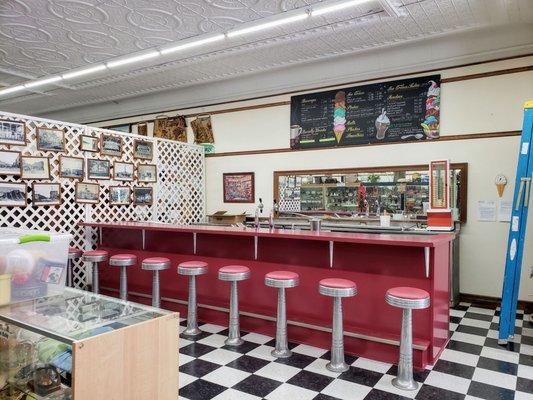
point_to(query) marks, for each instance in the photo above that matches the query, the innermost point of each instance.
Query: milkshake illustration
(382, 124)
(339, 115)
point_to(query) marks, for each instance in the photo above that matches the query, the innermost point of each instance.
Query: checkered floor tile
(473, 366)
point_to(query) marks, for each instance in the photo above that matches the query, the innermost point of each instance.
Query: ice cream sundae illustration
(339, 115)
(431, 118)
(382, 124)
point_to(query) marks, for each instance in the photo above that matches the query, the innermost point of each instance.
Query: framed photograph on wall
(10, 162)
(46, 194)
(143, 196)
(12, 132)
(98, 169)
(122, 171)
(71, 167)
(13, 194)
(89, 143)
(110, 145)
(87, 193)
(49, 139)
(147, 173)
(143, 149)
(239, 187)
(34, 167)
(119, 195)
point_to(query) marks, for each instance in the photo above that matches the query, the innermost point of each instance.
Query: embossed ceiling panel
(42, 37)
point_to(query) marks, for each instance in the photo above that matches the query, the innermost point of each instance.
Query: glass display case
(56, 347)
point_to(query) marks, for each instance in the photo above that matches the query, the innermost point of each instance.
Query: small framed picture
(10, 162)
(143, 196)
(71, 167)
(239, 187)
(50, 139)
(110, 145)
(12, 132)
(147, 173)
(119, 195)
(46, 194)
(98, 169)
(122, 171)
(89, 143)
(13, 194)
(34, 167)
(143, 149)
(87, 192)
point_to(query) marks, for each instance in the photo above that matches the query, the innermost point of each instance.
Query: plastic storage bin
(33, 264)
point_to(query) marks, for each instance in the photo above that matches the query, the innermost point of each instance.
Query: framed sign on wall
(239, 187)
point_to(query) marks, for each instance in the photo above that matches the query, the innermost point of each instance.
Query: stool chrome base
(233, 341)
(191, 332)
(281, 353)
(341, 367)
(404, 385)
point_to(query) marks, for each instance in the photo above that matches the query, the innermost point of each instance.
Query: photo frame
(111, 145)
(13, 194)
(46, 194)
(50, 139)
(239, 187)
(98, 169)
(87, 193)
(143, 195)
(10, 162)
(35, 167)
(143, 149)
(89, 143)
(123, 171)
(12, 132)
(147, 173)
(71, 167)
(119, 195)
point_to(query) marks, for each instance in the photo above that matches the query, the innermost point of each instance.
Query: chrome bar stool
(282, 280)
(123, 261)
(406, 298)
(73, 254)
(192, 269)
(234, 274)
(95, 257)
(337, 288)
(155, 264)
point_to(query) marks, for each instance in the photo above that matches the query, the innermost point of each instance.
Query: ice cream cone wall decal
(500, 181)
(339, 115)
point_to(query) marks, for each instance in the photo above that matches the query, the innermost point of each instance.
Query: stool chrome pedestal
(95, 257)
(73, 254)
(281, 280)
(155, 264)
(192, 269)
(337, 288)
(123, 261)
(234, 274)
(408, 299)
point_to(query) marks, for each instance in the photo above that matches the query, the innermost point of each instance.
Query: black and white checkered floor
(472, 366)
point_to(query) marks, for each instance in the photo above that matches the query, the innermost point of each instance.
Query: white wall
(487, 104)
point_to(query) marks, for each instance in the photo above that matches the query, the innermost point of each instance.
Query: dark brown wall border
(487, 74)
(472, 136)
(493, 302)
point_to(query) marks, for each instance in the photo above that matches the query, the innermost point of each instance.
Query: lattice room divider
(179, 194)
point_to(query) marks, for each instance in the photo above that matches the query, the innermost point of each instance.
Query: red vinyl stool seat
(234, 273)
(95, 255)
(282, 279)
(407, 297)
(123, 260)
(155, 263)
(73, 253)
(337, 287)
(192, 268)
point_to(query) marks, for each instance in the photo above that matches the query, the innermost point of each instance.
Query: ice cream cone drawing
(431, 118)
(382, 124)
(500, 182)
(339, 115)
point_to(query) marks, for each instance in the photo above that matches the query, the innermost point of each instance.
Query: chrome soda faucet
(258, 210)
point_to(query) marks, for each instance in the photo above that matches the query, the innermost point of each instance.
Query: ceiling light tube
(41, 82)
(195, 43)
(85, 71)
(336, 7)
(11, 89)
(267, 25)
(133, 59)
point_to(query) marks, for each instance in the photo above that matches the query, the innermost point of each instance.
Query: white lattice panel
(178, 194)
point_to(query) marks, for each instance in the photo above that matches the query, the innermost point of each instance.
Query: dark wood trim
(487, 74)
(493, 302)
(316, 88)
(472, 136)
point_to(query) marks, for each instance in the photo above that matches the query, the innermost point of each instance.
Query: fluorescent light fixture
(133, 59)
(336, 7)
(267, 25)
(196, 43)
(85, 71)
(41, 82)
(11, 89)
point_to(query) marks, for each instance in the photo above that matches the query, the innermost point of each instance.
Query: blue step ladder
(517, 229)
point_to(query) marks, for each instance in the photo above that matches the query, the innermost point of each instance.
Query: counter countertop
(398, 239)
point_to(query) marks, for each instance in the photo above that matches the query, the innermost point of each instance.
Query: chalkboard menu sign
(383, 112)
